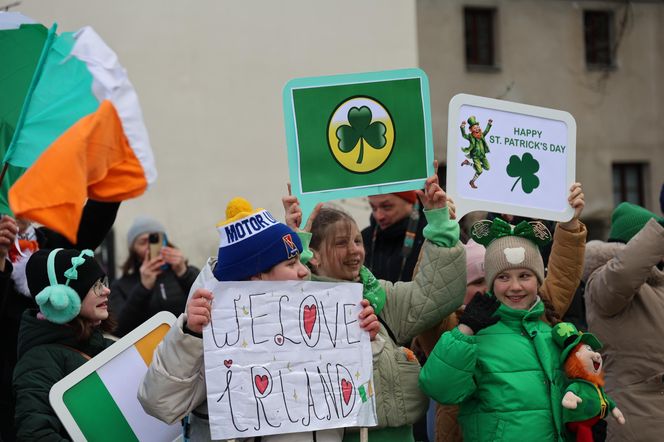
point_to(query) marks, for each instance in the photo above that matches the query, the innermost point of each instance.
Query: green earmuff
(60, 303)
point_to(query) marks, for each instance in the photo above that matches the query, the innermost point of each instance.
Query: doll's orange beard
(477, 135)
(575, 369)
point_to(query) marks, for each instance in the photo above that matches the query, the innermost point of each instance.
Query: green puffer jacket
(507, 378)
(43, 361)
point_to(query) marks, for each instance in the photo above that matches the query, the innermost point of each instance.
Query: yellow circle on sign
(367, 121)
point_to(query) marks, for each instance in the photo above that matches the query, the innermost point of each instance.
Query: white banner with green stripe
(97, 402)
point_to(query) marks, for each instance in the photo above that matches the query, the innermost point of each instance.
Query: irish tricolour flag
(98, 402)
(80, 130)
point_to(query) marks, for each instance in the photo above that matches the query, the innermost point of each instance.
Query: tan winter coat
(562, 279)
(174, 385)
(625, 310)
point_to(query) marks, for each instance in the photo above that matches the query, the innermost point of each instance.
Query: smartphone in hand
(156, 241)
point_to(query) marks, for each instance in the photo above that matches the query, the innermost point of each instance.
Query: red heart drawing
(279, 339)
(228, 363)
(261, 383)
(309, 318)
(346, 390)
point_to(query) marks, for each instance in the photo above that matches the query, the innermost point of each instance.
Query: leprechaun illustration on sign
(478, 148)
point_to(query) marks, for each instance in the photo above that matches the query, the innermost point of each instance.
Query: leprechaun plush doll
(585, 401)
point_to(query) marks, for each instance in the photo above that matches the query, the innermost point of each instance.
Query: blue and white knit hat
(252, 241)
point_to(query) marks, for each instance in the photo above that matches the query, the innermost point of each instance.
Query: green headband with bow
(485, 231)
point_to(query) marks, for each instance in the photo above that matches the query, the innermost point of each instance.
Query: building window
(480, 37)
(628, 183)
(598, 34)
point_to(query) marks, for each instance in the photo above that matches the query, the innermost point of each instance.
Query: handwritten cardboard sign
(510, 158)
(285, 357)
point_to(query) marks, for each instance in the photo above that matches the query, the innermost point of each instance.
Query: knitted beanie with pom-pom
(252, 242)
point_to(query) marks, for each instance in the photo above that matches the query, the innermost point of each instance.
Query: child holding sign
(405, 309)
(174, 385)
(72, 293)
(501, 364)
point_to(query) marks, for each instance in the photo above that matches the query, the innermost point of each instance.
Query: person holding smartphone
(155, 277)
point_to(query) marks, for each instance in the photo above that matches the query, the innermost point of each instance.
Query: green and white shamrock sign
(361, 134)
(509, 157)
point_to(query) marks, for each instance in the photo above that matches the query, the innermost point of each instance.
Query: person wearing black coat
(72, 293)
(149, 284)
(96, 222)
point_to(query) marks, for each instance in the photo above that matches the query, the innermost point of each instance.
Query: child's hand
(368, 320)
(294, 212)
(199, 310)
(433, 196)
(576, 199)
(571, 401)
(617, 414)
(451, 207)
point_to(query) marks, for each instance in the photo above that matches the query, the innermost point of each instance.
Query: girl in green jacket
(72, 292)
(404, 309)
(500, 364)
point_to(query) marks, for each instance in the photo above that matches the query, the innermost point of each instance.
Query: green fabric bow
(484, 232)
(72, 273)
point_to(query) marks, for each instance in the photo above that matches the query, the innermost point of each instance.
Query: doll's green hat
(566, 336)
(472, 121)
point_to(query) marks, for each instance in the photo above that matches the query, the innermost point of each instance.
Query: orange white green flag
(80, 133)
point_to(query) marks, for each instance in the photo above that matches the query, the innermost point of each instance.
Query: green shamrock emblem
(565, 330)
(361, 129)
(524, 168)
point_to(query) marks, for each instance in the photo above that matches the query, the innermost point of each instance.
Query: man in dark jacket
(394, 238)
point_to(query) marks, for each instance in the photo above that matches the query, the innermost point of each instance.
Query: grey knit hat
(141, 225)
(512, 252)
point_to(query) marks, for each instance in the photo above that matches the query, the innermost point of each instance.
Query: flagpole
(4, 171)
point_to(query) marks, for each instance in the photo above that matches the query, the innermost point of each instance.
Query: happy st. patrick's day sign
(507, 157)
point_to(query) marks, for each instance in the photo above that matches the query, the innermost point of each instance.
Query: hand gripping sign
(286, 357)
(509, 157)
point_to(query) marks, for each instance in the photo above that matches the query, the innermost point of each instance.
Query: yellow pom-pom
(236, 209)
(238, 206)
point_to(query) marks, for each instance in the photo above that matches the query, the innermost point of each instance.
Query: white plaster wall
(209, 75)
